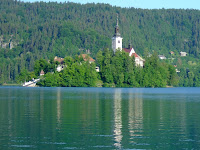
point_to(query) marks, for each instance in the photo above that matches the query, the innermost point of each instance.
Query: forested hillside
(31, 31)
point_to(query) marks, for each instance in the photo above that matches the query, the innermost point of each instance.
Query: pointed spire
(117, 19)
(117, 28)
(130, 45)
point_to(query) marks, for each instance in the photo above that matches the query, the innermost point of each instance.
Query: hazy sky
(192, 4)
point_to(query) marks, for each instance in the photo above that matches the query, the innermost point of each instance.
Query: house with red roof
(41, 73)
(87, 58)
(59, 59)
(90, 59)
(61, 65)
(139, 61)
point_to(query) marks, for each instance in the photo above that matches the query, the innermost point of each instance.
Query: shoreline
(11, 84)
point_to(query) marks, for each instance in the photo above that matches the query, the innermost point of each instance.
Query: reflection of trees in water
(138, 117)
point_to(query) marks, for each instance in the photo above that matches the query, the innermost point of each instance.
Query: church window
(119, 41)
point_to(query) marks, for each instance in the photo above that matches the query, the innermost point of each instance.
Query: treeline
(76, 73)
(119, 70)
(116, 70)
(189, 77)
(44, 30)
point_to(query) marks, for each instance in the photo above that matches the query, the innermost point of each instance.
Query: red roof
(86, 57)
(135, 55)
(127, 50)
(59, 59)
(42, 72)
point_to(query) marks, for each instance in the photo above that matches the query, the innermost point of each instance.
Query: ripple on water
(55, 143)
(104, 135)
(187, 140)
(71, 148)
(24, 146)
(101, 146)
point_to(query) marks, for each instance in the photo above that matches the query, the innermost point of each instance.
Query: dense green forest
(34, 31)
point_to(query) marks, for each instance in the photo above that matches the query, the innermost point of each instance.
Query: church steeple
(117, 28)
(129, 45)
(117, 39)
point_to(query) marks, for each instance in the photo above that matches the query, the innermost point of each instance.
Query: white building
(97, 69)
(60, 66)
(183, 54)
(117, 39)
(117, 45)
(162, 57)
(139, 61)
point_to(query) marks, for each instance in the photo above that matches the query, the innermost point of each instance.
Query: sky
(149, 4)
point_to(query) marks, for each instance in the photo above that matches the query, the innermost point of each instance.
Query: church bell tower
(117, 39)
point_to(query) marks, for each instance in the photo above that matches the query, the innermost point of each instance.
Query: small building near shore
(61, 65)
(41, 73)
(87, 58)
(97, 69)
(183, 54)
(172, 53)
(162, 57)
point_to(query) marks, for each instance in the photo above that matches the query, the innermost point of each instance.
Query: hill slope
(30, 31)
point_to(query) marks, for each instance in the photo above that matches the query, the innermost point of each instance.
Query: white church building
(117, 45)
(117, 39)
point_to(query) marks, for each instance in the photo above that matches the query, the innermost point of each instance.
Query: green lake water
(99, 118)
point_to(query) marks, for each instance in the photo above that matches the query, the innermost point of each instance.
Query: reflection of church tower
(117, 39)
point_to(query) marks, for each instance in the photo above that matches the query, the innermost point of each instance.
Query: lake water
(99, 118)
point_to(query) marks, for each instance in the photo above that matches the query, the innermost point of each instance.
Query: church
(117, 45)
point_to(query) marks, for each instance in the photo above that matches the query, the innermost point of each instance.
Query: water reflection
(41, 105)
(58, 102)
(10, 112)
(183, 118)
(117, 118)
(59, 118)
(135, 113)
